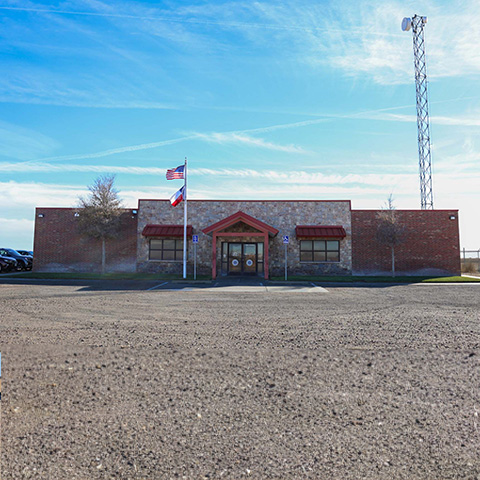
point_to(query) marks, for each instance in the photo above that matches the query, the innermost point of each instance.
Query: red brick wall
(59, 247)
(431, 245)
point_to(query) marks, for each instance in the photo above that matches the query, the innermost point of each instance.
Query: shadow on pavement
(85, 285)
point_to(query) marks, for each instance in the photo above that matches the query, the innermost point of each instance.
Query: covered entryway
(242, 258)
(243, 243)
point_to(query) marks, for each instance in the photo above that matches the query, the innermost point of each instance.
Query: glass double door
(243, 258)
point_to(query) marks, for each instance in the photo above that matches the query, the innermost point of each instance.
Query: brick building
(431, 242)
(246, 238)
(58, 246)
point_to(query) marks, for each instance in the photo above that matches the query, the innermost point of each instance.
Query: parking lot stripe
(157, 286)
(318, 286)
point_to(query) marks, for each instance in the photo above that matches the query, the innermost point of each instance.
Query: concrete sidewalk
(242, 285)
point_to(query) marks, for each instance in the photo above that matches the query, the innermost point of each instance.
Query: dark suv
(24, 261)
(7, 264)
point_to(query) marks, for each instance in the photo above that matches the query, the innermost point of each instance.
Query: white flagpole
(185, 223)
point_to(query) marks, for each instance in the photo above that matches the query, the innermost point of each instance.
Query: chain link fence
(470, 261)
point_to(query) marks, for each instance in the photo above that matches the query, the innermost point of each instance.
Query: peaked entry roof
(325, 231)
(152, 230)
(241, 217)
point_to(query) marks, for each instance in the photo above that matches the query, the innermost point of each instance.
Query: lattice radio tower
(417, 24)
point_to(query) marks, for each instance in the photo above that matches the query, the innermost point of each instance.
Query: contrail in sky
(113, 151)
(241, 136)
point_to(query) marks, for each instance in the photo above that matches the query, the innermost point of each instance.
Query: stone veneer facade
(282, 215)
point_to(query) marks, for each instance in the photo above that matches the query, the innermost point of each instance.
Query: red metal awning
(320, 231)
(152, 230)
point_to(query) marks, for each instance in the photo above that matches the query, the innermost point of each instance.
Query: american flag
(176, 173)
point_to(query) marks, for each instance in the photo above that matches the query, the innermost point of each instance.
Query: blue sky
(268, 100)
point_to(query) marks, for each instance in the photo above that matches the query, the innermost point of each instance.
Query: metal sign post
(195, 241)
(285, 243)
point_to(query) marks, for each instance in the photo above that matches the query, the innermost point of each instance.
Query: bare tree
(390, 231)
(99, 215)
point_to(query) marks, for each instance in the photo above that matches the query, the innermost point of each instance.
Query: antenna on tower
(417, 24)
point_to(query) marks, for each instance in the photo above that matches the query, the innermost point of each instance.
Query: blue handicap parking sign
(195, 238)
(285, 239)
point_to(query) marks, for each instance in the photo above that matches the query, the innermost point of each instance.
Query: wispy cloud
(247, 140)
(239, 137)
(30, 194)
(128, 148)
(305, 178)
(283, 126)
(467, 120)
(25, 196)
(117, 71)
(358, 40)
(452, 37)
(37, 85)
(240, 183)
(243, 137)
(183, 15)
(24, 143)
(16, 233)
(275, 176)
(453, 165)
(464, 162)
(43, 167)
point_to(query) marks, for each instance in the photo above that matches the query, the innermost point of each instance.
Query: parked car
(28, 253)
(24, 262)
(7, 264)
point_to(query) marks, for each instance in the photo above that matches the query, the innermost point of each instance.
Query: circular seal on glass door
(235, 262)
(249, 263)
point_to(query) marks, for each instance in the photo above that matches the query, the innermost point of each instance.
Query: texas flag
(177, 197)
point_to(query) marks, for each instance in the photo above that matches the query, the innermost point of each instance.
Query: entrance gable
(240, 227)
(243, 217)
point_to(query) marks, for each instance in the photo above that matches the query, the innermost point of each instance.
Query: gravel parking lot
(111, 381)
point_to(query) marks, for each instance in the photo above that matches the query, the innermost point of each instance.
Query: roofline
(167, 225)
(56, 208)
(238, 201)
(213, 200)
(406, 210)
(77, 208)
(319, 226)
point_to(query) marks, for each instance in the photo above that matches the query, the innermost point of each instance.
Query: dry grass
(470, 266)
